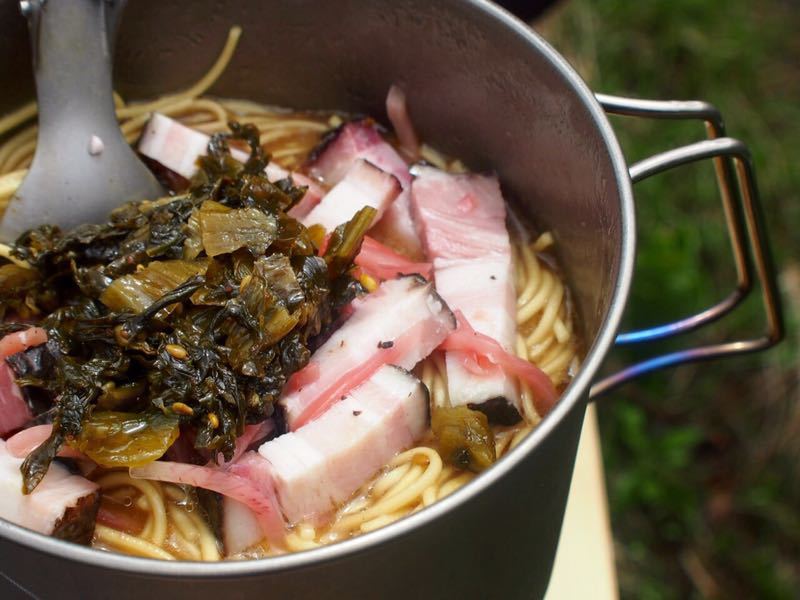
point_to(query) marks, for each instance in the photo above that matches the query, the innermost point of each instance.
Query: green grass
(702, 461)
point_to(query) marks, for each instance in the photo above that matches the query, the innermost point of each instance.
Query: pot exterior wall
(500, 545)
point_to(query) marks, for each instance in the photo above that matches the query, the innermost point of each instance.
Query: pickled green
(119, 439)
(464, 437)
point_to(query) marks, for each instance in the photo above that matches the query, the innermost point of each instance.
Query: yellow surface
(584, 566)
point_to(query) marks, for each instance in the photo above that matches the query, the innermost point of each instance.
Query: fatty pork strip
(14, 410)
(462, 219)
(62, 505)
(177, 147)
(400, 323)
(322, 464)
(361, 140)
(364, 184)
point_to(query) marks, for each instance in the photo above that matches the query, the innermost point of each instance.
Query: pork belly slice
(321, 465)
(62, 505)
(177, 147)
(400, 323)
(462, 219)
(362, 140)
(174, 145)
(14, 410)
(354, 140)
(459, 215)
(363, 185)
(397, 230)
(484, 291)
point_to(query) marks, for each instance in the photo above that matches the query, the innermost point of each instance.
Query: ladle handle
(82, 167)
(73, 87)
(745, 223)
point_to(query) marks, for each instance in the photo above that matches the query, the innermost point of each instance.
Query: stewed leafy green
(189, 312)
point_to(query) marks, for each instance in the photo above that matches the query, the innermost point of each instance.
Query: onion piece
(15, 412)
(397, 110)
(378, 260)
(227, 483)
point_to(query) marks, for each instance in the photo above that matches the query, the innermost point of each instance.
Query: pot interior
(478, 89)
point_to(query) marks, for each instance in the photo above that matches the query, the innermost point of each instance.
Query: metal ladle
(83, 167)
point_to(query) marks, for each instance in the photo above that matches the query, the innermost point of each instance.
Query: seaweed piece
(35, 364)
(498, 410)
(16, 281)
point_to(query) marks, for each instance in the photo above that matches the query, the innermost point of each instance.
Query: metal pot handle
(744, 220)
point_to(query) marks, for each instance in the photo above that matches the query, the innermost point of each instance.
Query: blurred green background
(701, 461)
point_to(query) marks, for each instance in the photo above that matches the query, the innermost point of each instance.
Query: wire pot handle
(745, 224)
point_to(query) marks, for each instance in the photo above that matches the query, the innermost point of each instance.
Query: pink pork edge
(363, 185)
(361, 140)
(462, 218)
(381, 323)
(322, 464)
(14, 411)
(177, 147)
(46, 505)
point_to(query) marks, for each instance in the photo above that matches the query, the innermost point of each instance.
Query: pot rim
(574, 394)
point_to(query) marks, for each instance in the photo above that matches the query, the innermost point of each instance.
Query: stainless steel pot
(483, 87)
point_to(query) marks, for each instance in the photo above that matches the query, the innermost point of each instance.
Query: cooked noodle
(173, 530)
(415, 478)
